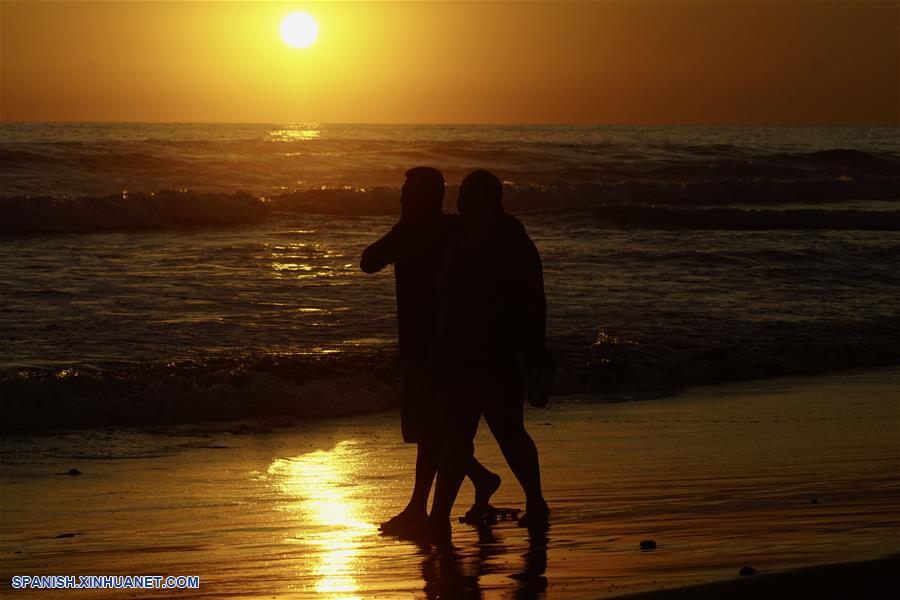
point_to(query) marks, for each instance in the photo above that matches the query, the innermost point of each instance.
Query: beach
(775, 475)
(241, 243)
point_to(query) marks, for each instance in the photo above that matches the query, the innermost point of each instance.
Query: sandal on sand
(485, 513)
(479, 513)
(535, 518)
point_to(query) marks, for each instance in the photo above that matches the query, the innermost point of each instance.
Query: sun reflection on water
(305, 261)
(324, 493)
(295, 132)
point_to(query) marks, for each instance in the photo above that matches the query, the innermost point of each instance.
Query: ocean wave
(626, 205)
(266, 387)
(609, 365)
(536, 195)
(740, 219)
(581, 166)
(123, 212)
(837, 156)
(691, 350)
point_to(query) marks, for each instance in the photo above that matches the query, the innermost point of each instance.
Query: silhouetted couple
(472, 312)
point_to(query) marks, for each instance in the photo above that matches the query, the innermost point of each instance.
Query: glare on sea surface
(293, 132)
(318, 485)
(299, 30)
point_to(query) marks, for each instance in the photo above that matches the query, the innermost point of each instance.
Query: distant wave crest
(624, 206)
(63, 186)
(740, 219)
(161, 210)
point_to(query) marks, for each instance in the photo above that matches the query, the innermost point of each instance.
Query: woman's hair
(481, 193)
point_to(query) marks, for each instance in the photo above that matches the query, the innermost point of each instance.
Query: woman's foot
(485, 489)
(482, 508)
(402, 522)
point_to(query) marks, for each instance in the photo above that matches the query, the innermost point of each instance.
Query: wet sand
(776, 475)
(866, 579)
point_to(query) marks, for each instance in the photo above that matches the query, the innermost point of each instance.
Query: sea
(186, 273)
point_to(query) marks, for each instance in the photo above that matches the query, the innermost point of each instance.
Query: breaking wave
(741, 219)
(279, 390)
(267, 387)
(620, 205)
(123, 212)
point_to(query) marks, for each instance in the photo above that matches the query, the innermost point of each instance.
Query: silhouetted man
(491, 345)
(416, 246)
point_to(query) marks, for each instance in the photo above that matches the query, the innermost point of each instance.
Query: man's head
(480, 195)
(422, 194)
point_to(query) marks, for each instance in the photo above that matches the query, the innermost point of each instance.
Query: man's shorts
(419, 413)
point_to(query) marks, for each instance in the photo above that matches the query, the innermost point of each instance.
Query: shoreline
(286, 421)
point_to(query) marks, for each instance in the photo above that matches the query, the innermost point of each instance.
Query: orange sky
(629, 62)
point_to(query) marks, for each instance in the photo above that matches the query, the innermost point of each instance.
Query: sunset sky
(629, 62)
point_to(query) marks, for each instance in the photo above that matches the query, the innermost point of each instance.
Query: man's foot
(400, 523)
(430, 531)
(535, 516)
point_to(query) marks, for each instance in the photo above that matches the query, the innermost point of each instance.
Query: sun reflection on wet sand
(324, 494)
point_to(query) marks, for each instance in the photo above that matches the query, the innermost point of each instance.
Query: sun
(299, 30)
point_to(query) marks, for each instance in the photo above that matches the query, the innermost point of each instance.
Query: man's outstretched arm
(381, 253)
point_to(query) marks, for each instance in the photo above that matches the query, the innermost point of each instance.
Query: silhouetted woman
(489, 344)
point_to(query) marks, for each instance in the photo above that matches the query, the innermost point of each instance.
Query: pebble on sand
(747, 571)
(73, 472)
(648, 545)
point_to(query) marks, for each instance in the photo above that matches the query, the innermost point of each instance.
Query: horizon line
(444, 124)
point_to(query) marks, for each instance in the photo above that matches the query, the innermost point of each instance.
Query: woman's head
(480, 196)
